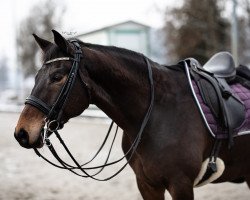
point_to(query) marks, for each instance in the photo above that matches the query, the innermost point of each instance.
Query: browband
(58, 59)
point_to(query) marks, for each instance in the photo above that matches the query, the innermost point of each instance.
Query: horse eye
(56, 78)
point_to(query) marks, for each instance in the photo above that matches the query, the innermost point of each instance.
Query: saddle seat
(213, 82)
(222, 66)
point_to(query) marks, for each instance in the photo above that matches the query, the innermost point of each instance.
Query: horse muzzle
(23, 139)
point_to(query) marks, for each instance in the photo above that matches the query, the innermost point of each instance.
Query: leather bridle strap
(57, 109)
(38, 103)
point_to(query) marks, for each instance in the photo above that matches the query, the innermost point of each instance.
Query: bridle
(54, 114)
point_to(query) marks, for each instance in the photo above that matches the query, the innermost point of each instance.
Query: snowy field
(24, 176)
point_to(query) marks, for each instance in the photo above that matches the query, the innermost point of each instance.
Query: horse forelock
(52, 52)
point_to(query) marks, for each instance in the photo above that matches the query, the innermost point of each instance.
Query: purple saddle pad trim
(244, 95)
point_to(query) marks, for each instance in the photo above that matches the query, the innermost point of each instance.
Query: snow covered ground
(24, 176)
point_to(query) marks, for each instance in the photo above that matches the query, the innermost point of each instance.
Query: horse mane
(54, 51)
(111, 49)
(131, 58)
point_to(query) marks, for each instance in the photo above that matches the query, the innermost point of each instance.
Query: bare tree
(197, 29)
(42, 19)
(244, 32)
(4, 73)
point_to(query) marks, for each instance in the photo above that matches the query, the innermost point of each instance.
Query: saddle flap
(235, 112)
(209, 96)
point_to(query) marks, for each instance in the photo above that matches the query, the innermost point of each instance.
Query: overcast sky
(80, 16)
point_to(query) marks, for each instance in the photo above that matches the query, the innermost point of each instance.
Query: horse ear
(62, 43)
(43, 44)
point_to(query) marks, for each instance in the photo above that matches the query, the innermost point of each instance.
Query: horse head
(49, 82)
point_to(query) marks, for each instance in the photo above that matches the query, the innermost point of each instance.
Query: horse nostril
(22, 137)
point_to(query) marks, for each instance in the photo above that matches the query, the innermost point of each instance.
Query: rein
(53, 122)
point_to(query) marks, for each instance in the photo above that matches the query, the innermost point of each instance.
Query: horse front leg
(149, 192)
(247, 178)
(181, 189)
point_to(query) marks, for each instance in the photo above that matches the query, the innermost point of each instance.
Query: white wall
(131, 36)
(100, 37)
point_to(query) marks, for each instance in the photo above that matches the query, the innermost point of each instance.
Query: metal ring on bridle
(53, 125)
(47, 142)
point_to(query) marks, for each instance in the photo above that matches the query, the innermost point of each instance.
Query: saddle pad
(244, 95)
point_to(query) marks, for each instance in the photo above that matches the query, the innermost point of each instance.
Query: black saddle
(221, 65)
(213, 82)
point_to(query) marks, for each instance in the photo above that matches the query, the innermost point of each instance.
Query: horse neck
(119, 85)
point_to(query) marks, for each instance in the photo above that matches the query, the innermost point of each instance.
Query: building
(129, 34)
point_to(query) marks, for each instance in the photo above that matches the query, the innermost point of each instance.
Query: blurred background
(164, 30)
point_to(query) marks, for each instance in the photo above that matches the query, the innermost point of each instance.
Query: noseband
(53, 121)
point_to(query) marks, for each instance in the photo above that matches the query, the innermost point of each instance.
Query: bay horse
(175, 140)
